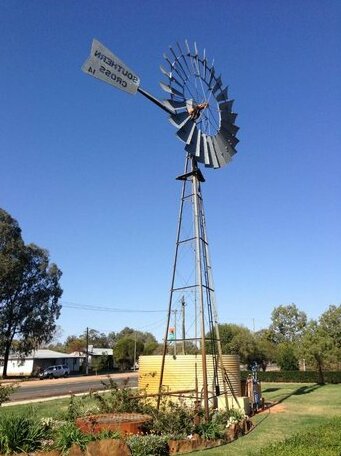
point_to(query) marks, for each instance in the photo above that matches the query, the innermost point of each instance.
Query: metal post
(87, 353)
(214, 307)
(135, 341)
(183, 325)
(172, 284)
(175, 312)
(198, 268)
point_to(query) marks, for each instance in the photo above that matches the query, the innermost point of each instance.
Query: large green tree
(29, 292)
(126, 351)
(237, 340)
(288, 323)
(321, 342)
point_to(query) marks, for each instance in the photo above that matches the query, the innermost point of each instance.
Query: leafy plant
(80, 406)
(211, 430)
(121, 400)
(5, 392)
(173, 419)
(148, 445)
(22, 433)
(68, 434)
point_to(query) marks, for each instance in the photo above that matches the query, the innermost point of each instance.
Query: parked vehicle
(62, 370)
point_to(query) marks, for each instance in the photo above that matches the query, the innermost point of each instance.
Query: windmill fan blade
(218, 154)
(171, 90)
(223, 96)
(206, 153)
(228, 126)
(178, 120)
(212, 71)
(217, 85)
(175, 104)
(194, 147)
(227, 106)
(221, 149)
(185, 133)
(165, 72)
(212, 153)
(228, 116)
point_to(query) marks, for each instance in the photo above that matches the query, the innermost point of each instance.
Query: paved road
(63, 386)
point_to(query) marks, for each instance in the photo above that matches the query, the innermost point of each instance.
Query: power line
(73, 305)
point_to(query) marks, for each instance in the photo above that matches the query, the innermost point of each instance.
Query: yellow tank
(179, 373)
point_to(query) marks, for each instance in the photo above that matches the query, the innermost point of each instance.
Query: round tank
(179, 373)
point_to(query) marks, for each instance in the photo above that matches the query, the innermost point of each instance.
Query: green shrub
(121, 400)
(211, 430)
(295, 376)
(5, 392)
(322, 440)
(81, 406)
(173, 419)
(22, 433)
(148, 445)
(67, 434)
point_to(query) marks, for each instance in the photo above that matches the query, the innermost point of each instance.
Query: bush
(67, 434)
(5, 392)
(295, 376)
(22, 433)
(121, 400)
(147, 445)
(80, 406)
(173, 419)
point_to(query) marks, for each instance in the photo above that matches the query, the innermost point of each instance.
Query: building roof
(94, 351)
(44, 354)
(100, 351)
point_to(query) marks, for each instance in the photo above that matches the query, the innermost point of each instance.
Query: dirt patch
(274, 408)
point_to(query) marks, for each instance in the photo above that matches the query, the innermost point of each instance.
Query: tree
(96, 338)
(75, 344)
(288, 323)
(321, 342)
(124, 351)
(286, 357)
(265, 348)
(237, 340)
(29, 292)
(144, 337)
(330, 323)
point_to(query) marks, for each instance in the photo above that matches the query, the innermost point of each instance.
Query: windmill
(199, 107)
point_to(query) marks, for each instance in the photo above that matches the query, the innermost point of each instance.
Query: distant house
(38, 360)
(94, 353)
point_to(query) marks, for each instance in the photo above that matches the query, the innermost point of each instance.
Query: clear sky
(88, 171)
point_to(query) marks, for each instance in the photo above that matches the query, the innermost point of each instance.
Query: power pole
(87, 353)
(183, 325)
(175, 311)
(135, 341)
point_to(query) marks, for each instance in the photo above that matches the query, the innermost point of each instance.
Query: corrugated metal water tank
(179, 373)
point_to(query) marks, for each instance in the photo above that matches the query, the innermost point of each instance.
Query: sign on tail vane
(104, 65)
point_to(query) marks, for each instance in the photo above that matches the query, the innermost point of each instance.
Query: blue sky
(88, 171)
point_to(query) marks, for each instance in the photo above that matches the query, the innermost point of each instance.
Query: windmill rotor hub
(195, 111)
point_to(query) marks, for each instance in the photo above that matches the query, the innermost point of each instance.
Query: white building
(32, 363)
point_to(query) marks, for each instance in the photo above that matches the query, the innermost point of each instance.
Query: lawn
(299, 407)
